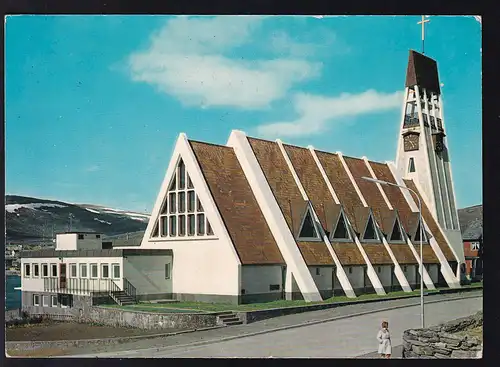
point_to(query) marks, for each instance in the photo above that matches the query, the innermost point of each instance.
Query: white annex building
(259, 220)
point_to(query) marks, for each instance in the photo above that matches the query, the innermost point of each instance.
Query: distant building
(471, 224)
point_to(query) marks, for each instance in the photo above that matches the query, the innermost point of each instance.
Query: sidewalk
(283, 322)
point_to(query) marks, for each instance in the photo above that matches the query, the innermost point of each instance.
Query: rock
(429, 340)
(417, 342)
(463, 354)
(451, 342)
(423, 350)
(406, 345)
(408, 354)
(443, 351)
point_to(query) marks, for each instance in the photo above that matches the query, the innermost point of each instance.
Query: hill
(32, 219)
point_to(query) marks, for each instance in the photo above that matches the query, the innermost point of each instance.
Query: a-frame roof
(237, 205)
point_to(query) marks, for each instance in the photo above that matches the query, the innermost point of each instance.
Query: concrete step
(223, 313)
(229, 319)
(232, 323)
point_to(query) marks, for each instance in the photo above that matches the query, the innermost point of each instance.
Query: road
(345, 338)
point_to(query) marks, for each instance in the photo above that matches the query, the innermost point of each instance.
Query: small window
(182, 225)
(80, 236)
(317, 271)
(93, 270)
(379, 269)
(200, 207)
(53, 301)
(308, 230)
(341, 231)
(164, 226)
(53, 268)
(167, 271)
(27, 270)
(201, 224)
(72, 270)
(97, 236)
(83, 271)
(65, 300)
(105, 271)
(191, 225)
(182, 175)
(405, 268)
(116, 271)
(45, 270)
(411, 165)
(350, 269)
(190, 183)
(36, 300)
(173, 222)
(396, 232)
(474, 246)
(45, 301)
(370, 233)
(191, 201)
(242, 291)
(274, 287)
(36, 270)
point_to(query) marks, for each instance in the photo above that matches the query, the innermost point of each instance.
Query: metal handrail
(129, 289)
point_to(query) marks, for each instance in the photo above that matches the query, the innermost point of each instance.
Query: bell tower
(423, 153)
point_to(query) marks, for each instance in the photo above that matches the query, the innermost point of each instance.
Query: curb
(30, 345)
(288, 327)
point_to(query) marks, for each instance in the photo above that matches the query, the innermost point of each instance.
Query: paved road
(345, 338)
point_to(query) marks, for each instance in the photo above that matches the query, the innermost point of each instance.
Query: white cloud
(316, 112)
(187, 59)
(93, 168)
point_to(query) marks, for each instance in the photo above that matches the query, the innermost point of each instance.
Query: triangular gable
(341, 231)
(361, 214)
(370, 232)
(308, 228)
(416, 236)
(298, 210)
(332, 212)
(397, 233)
(387, 219)
(181, 213)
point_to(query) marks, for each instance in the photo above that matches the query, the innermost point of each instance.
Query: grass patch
(218, 307)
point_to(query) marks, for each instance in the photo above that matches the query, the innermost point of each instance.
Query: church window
(182, 225)
(411, 165)
(182, 202)
(379, 269)
(350, 269)
(172, 227)
(171, 203)
(308, 229)
(405, 269)
(182, 212)
(182, 175)
(201, 224)
(370, 231)
(191, 199)
(164, 226)
(191, 225)
(341, 232)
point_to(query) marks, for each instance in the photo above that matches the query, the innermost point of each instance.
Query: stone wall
(443, 342)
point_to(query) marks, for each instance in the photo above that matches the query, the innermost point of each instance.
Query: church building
(257, 220)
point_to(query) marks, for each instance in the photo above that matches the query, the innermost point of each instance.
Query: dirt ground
(73, 331)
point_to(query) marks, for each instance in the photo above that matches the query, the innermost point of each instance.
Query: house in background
(471, 224)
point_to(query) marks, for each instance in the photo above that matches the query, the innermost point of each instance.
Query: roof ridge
(206, 143)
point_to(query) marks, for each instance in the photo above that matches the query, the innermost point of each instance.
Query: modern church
(257, 220)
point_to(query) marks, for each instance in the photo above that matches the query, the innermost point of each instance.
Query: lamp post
(421, 236)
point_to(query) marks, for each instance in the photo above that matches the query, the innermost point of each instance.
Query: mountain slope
(32, 218)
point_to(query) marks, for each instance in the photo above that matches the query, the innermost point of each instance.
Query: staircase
(122, 298)
(228, 318)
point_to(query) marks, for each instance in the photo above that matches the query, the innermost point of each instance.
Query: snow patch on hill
(11, 208)
(102, 221)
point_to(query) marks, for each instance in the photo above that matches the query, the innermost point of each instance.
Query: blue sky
(94, 104)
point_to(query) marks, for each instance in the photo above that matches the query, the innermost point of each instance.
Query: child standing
(384, 339)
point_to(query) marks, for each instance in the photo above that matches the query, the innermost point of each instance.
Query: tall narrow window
(182, 225)
(53, 272)
(164, 226)
(411, 165)
(182, 202)
(72, 270)
(191, 201)
(172, 184)
(36, 270)
(83, 271)
(171, 202)
(209, 229)
(105, 271)
(45, 270)
(167, 271)
(93, 270)
(191, 225)
(200, 207)
(27, 270)
(190, 183)
(173, 222)
(116, 271)
(201, 224)
(308, 230)
(182, 175)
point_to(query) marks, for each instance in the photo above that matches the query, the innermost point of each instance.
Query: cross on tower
(423, 21)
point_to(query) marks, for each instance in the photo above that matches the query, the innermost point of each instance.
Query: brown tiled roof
(287, 195)
(403, 253)
(332, 214)
(348, 253)
(377, 253)
(433, 226)
(429, 254)
(237, 205)
(361, 215)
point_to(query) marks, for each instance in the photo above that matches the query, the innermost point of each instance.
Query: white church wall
(355, 274)
(433, 271)
(384, 273)
(410, 273)
(323, 276)
(257, 279)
